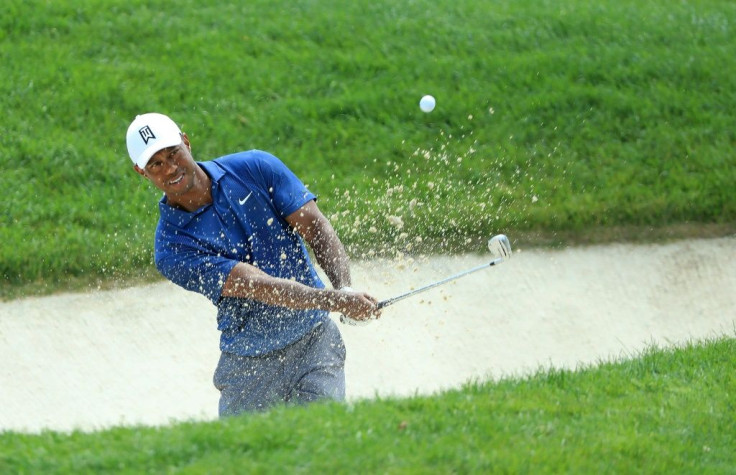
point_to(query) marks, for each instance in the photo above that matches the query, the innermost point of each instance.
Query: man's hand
(360, 308)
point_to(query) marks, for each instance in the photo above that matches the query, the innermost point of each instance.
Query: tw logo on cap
(146, 134)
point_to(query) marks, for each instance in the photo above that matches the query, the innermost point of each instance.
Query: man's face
(172, 169)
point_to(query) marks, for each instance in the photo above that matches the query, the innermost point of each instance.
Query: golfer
(234, 229)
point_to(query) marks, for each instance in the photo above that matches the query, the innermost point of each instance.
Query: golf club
(500, 248)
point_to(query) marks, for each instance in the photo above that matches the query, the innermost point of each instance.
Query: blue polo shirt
(252, 193)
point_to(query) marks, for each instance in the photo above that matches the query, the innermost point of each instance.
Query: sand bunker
(146, 355)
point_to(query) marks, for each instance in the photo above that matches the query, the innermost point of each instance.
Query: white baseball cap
(148, 134)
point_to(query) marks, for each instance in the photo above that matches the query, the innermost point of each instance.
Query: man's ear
(139, 170)
(185, 139)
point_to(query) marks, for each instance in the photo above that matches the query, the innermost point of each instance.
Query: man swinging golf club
(234, 229)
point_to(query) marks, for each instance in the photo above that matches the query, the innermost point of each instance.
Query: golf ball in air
(427, 103)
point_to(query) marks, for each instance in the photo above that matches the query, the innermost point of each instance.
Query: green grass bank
(556, 122)
(665, 411)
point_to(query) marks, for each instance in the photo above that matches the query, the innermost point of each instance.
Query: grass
(664, 411)
(554, 120)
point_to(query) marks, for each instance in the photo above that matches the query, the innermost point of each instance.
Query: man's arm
(247, 281)
(321, 237)
(317, 231)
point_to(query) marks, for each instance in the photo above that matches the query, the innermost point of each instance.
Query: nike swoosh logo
(242, 202)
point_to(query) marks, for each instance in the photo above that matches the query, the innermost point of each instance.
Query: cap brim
(160, 144)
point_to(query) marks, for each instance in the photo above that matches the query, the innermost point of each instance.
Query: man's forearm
(321, 237)
(282, 292)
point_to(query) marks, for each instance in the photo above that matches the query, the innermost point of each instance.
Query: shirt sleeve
(188, 264)
(286, 189)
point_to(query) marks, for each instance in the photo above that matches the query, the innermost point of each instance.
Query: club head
(500, 246)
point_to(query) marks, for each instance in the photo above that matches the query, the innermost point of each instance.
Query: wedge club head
(500, 246)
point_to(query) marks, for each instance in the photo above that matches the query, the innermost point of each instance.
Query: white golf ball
(427, 103)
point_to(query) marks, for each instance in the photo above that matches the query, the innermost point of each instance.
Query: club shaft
(386, 303)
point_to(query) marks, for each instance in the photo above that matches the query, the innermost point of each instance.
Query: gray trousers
(310, 369)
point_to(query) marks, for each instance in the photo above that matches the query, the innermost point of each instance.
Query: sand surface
(146, 355)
